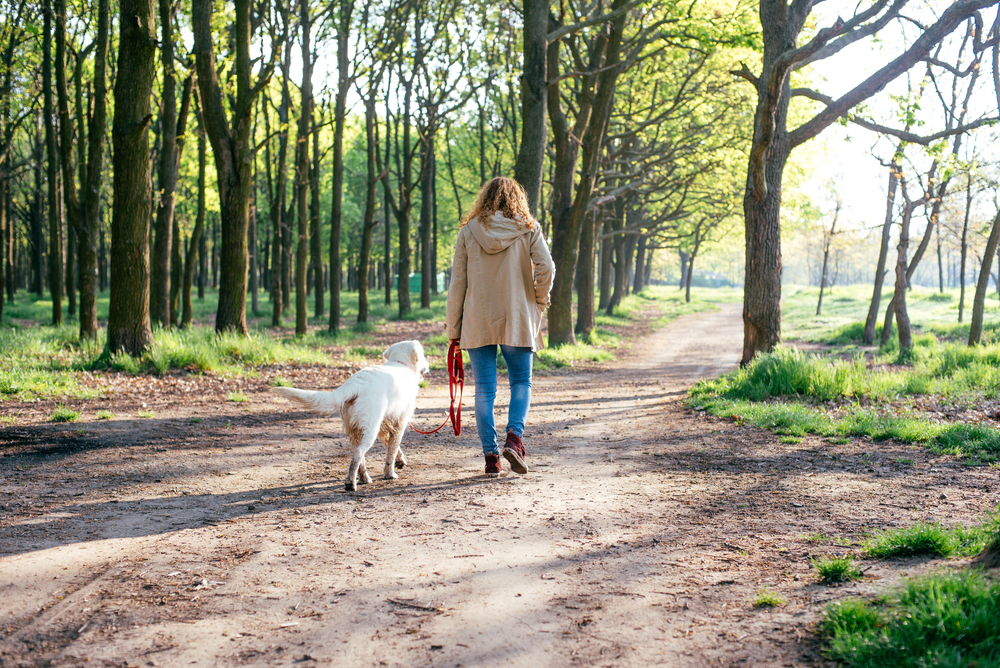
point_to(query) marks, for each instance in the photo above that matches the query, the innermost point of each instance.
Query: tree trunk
(640, 265)
(70, 201)
(55, 224)
(965, 245)
(90, 227)
(176, 273)
(979, 301)
(371, 147)
(899, 297)
(302, 173)
(426, 214)
(827, 242)
(196, 249)
(159, 298)
(531, 153)
(868, 338)
(607, 249)
(254, 269)
(339, 118)
(233, 153)
(586, 319)
(315, 235)
(128, 316)
(567, 219)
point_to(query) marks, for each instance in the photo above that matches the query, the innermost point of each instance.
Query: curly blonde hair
(503, 195)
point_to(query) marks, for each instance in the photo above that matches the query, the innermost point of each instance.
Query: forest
(765, 428)
(292, 152)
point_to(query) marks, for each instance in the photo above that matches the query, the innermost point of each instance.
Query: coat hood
(499, 232)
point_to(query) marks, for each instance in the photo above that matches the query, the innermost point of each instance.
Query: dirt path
(639, 538)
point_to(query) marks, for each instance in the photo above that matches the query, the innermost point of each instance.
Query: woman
(500, 284)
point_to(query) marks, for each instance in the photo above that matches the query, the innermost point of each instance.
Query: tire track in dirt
(638, 539)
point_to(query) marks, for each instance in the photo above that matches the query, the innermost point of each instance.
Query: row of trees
(623, 121)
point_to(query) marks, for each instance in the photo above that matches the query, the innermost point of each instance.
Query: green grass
(145, 414)
(765, 598)
(787, 391)
(237, 396)
(63, 414)
(934, 539)
(833, 570)
(279, 381)
(946, 620)
(105, 415)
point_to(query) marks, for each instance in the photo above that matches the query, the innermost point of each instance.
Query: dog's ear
(385, 353)
(415, 358)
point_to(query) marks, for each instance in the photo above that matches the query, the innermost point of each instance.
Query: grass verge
(946, 620)
(935, 539)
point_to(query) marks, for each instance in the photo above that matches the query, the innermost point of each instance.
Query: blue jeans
(484, 370)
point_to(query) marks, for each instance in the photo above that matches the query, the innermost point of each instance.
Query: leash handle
(456, 384)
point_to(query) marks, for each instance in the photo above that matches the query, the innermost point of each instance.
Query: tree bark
(531, 153)
(640, 265)
(196, 248)
(159, 297)
(55, 223)
(586, 318)
(427, 214)
(233, 151)
(965, 245)
(302, 173)
(983, 284)
(827, 242)
(129, 328)
(567, 219)
(607, 249)
(315, 235)
(90, 227)
(339, 118)
(371, 148)
(868, 337)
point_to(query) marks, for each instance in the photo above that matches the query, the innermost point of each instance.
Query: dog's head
(410, 353)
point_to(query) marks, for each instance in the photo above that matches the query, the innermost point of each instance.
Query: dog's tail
(319, 402)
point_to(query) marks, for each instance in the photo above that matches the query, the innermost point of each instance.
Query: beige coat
(500, 284)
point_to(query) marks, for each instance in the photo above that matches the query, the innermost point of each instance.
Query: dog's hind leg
(394, 458)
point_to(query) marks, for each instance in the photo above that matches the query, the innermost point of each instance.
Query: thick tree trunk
(233, 158)
(531, 153)
(868, 337)
(70, 201)
(979, 301)
(128, 317)
(55, 222)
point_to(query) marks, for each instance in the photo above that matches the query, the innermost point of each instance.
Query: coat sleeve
(457, 288)
(544, 268)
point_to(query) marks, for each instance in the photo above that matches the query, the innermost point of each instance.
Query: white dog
(377, 401)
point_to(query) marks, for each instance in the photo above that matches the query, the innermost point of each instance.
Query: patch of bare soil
(219, 534)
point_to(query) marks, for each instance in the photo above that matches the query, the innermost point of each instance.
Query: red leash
(456, 379)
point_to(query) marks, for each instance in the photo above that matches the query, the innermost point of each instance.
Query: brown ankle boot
(513, 452)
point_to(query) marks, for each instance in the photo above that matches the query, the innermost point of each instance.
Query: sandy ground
(219, 534)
